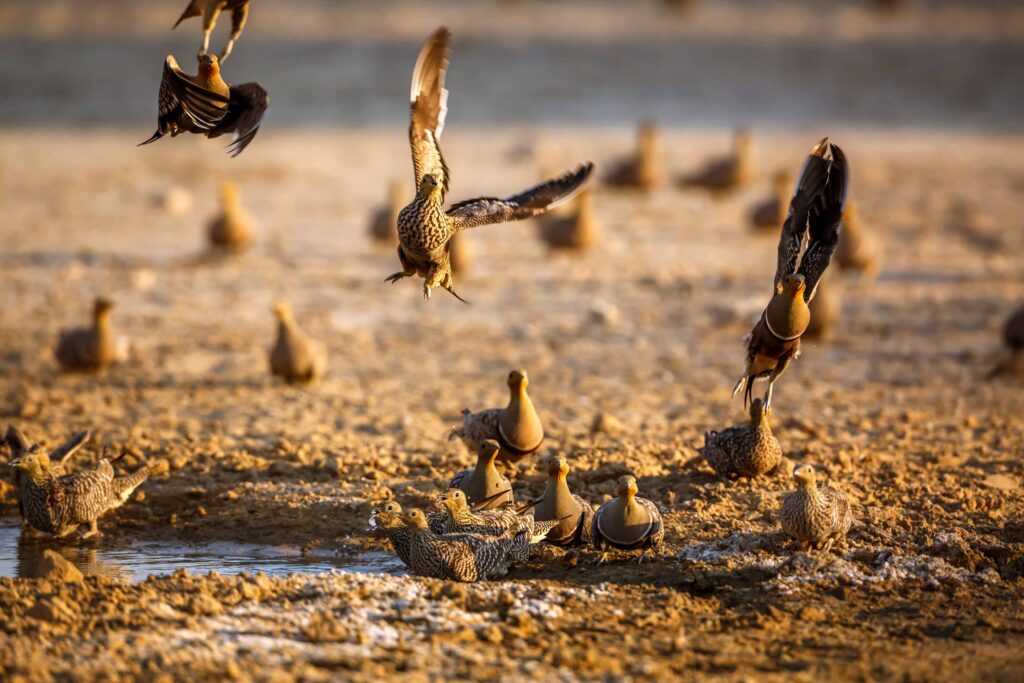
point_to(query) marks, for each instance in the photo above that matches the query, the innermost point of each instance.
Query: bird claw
(394, 277)
(739, 385)
(426, 292)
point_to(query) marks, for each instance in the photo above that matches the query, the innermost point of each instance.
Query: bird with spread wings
(425, 228)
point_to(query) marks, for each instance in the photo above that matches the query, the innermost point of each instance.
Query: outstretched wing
(429, 104)
(824, 219)
(249, 101)
(180, 96)
(532, 202)
(809, 185)
(63, 452)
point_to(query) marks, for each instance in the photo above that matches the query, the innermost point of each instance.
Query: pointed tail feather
(156, 136)
(125, 486)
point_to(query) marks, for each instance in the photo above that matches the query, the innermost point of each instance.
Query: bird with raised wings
(209, 10)
(425, 227)
(205, 104)
(814, 218)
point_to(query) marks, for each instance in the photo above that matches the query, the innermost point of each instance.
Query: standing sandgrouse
(748, 450)
(812, 515)
(484, 481)
(771, 213)
(385, 217)
(627, 522)
(60, 504)
(733, 171)
(425, 228)
(516, 427)
(575, 231)
(642, 169)
(814, 215)
(575, 516)
(92, 348)
(207, 105)
(231, 229)
(295, 356)
(458, 557)
(20, 446)
(856, 250)
(209, 10)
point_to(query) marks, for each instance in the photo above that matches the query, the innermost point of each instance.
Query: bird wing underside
(813, 218)
(428, 107)
(63, 452)
(533, 202)
(178, 95)
(249, 101)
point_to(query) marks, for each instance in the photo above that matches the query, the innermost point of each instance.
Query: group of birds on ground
(476, 530)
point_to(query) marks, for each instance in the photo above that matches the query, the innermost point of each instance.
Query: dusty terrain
(895, 408)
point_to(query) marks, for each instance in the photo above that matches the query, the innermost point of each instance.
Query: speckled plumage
(460, 556)
(461, 519)
(814, 515)
(60, 504)
(747, 450)
(574, 516)
(425, 228)
(58, 458)
(628, 522)
(516, 427)
(387, 519)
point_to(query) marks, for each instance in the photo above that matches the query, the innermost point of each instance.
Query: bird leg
(227, 50)
(206, 43)
(449, 284)
(93, 531)
(776, 372)
(602, 558)
(739, 385)
(399, 275)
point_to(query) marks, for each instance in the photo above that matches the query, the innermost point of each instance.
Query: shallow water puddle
(136, 561)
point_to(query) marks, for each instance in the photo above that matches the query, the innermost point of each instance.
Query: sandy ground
(895, 408)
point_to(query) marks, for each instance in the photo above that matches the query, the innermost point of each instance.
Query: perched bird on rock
(207, 105)
(856, 249)
(727, 173)
(484, 480)
(627, 522)
(814, 213)
(60, 504)
(748, 450)
(425, 228)
(295, 356)
(232, 227)
(642, 169)
(385, 218)
(574, 515)
(209, 10)
(577, 230)
(516, 427)
(769, 215)
(812, 515)
(825, 308)
(58, 458)
(458, 557)
(92, 348)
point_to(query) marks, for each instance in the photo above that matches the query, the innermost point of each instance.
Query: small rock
(176, 200)
(52, 609)
(57, 568)
(604, 313)
(812, 613)
(1002, 482)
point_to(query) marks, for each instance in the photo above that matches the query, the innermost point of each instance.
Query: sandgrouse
(60, 504)
(642, 169)
(730, 172)
(92, 348)
(206, 104)
(771, 213)
(457, 557)
(295, 356)
(574, 515)
(814, 515)
(230, 229)
(748, 450)
(425, 228)
(516, 427)
(825, 309)
(58, 458)
(814, 213)
(484, 480)
(387, 519)
(385, 217)
(461, 519)
(627, 522)
(575, 231)
(856, 249)
(209, 10)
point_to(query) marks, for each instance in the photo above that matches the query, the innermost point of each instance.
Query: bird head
(758, 411)
(209, 65)
(31, 461)
(283, 311)
(518, 379)
(453, 499)
(488, 450)
(102, 307)
(429, 186)
(627, 487)
(557, 465)
(793, 285)
(649, 133)
(229, 193)
(804, 475)
(386, 515)
(415, 519)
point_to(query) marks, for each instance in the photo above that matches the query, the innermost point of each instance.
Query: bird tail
(125, 486)
(190, 11)
(156, 136)
(541, 530)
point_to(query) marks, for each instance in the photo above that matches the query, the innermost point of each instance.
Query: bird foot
(602, 558)
(426, 292)
(396, 277)
(92, 533)
(739, 385)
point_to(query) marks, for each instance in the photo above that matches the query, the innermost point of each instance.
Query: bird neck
(485, 466)
(557, 487)
(462, 515)
(810, 489)
(102, 326)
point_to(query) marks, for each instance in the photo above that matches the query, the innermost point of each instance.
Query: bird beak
(14, 462)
